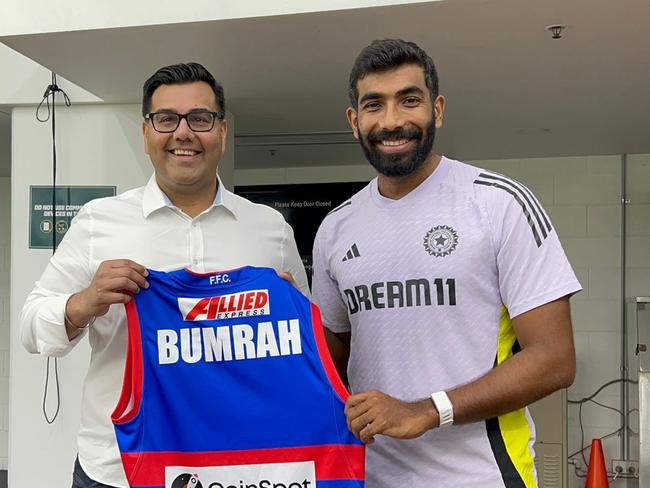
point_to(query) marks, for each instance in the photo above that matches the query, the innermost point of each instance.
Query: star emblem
(440, 241)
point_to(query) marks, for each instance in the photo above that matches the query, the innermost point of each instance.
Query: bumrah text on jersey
(225, 343)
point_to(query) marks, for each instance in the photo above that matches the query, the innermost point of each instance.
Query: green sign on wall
(46, 225)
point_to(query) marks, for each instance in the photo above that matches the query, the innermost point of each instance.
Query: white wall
(96, 145)
(582, 196)
(5, 142)
(5, 259)
(105, 149)
(82, 15)
(23, 81)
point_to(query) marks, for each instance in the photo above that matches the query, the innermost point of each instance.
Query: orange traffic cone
(597, 473)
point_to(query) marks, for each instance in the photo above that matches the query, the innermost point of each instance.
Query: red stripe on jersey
(332, 462)
(128, 405)
(325, 356)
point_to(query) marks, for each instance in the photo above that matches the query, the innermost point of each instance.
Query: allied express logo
(243, 304)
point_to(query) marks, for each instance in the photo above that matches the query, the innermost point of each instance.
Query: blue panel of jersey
(238, 404)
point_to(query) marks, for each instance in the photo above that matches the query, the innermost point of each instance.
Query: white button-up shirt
(144, 226)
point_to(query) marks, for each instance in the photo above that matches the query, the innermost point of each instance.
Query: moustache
(401, 133)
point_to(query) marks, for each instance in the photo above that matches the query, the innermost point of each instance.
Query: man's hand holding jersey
(372, 412)
(114, 282)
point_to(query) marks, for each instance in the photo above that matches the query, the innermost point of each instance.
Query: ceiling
(511, 90)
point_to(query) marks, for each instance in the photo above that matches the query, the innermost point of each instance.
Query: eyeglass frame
(217, 116)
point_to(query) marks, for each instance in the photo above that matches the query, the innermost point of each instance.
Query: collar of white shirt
(154, 198)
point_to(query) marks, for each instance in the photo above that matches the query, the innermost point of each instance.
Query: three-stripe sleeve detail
(535, 215)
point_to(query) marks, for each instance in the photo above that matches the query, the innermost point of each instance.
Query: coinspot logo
(262, 484)
(187, 480)
(300, 474)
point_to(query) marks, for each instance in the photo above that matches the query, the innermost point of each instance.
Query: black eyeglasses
(199, 121)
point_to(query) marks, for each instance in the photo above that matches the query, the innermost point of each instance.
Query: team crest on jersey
(244, 304)
(441, 240)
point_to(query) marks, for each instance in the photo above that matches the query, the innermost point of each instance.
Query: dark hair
(177, 74)
(385, 54)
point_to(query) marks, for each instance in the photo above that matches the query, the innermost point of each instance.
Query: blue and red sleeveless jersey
(229, 384)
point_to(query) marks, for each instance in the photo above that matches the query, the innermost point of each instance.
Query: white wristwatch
(445, 408)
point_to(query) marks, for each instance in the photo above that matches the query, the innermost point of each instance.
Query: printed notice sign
(50, 214)
(304, 206)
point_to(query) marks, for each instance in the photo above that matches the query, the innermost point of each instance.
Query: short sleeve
(532, 266)
(325, 289)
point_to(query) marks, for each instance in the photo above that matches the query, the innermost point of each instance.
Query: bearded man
(446, 291)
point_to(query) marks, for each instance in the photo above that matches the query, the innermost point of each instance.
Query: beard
(403, 164)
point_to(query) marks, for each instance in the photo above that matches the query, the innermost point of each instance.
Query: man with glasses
(183, 217)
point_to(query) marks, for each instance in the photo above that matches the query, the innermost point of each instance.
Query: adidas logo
(352, 253)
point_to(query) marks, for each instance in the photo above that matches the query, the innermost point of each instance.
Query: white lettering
(267, 345)
(241, 341)
(217, 348)
(222, 278)
(167, 349)
(289, 337)
(191, 350)
(242, 336)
